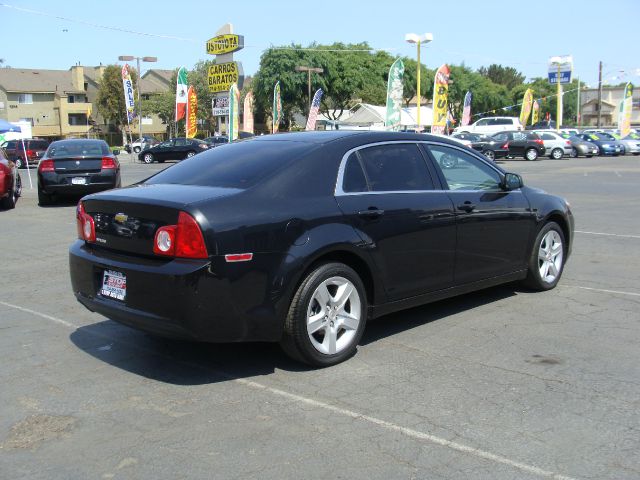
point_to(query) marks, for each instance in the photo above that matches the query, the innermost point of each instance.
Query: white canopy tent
(367, 116)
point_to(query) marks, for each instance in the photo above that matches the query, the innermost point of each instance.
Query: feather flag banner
(440, 99)
(248, 113)
(181, 94)
(192, 113)
(394, 95)
(466, 110)
(277, 108)
(313, 111)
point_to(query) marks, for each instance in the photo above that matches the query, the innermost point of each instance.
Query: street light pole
(418, 39)
(128, 58)
(309, 70)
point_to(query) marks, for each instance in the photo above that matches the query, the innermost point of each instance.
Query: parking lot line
(607, 234)
(390, 426)
(602, 290)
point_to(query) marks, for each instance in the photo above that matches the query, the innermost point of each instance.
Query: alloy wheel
(490, 154)
(148, 158)
(531, 154)
(333, 315)
(550, 255)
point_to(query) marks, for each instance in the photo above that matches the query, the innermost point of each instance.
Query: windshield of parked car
(237, 165)
(77, 149)
(632, 136)
(593, 136)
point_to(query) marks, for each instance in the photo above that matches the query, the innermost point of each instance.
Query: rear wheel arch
(350, 259)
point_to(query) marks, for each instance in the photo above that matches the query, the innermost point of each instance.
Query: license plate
(114, 285)
(78, 181)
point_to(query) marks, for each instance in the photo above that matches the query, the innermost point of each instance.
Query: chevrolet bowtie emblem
(120, 217)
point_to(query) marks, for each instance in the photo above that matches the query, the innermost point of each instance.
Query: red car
(34, 148)
(10, 182)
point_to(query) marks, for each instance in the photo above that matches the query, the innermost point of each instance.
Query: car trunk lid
(126, 220)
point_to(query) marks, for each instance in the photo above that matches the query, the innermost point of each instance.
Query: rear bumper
(202, 300)
(51, 182)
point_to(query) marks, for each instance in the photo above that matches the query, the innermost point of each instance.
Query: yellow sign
(223, 75)
(225, 44)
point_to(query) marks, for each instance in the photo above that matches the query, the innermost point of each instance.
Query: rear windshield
(77, 149)
(238, 165)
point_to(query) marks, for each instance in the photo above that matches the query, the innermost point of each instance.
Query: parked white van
(491, 125)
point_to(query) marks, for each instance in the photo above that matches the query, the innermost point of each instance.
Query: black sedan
(77, 167)
(488, 146)
(522, 144)
(173, 149)
(301, 238)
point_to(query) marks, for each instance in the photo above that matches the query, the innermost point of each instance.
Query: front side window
(395, 168)
(463, 171)
(482, 123)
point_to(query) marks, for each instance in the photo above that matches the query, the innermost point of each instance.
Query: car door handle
(467, 207)
(371, 213)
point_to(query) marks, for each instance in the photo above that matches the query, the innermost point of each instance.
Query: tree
(110, 99)
(507, 76)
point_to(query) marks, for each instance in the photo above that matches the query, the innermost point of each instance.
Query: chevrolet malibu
(301, 238)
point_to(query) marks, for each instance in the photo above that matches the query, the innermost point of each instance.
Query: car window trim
(338, 190)
(443, 180)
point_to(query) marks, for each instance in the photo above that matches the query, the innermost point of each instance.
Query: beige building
(61, 103)
(611, 98)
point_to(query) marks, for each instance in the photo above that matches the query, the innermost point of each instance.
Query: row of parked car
(504, 137)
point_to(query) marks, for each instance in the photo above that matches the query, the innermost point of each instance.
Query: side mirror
(511, 181)
(116, 152)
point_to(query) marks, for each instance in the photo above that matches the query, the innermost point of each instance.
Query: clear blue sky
(512, 33)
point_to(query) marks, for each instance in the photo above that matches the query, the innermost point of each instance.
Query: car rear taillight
(539, 141)
(85, 224)
(505, 146)
(108, 163)
(46, 166)
(567, 142)
(31, 153)
(183, 240)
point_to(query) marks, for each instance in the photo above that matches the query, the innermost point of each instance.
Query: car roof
(362, 136)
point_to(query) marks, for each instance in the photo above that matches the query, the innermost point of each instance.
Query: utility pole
(599, 93)
(578, 106)
(309, 70)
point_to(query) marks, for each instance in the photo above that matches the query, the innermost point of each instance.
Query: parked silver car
(555, 144)
(580, 147)
(631, 143)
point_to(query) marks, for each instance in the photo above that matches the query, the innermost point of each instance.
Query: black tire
(136, 149)
(44, 198)
(148, 158)
(297, 342)
(531, 154)
(574, 152)
(589, 156)
(556, 153)
(534, 278)
(490, 154)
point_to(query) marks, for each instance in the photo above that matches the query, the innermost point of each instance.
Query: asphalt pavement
(499, 384)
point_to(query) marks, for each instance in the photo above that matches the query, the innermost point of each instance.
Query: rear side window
(237, 165)
(390, 168)
(354, 179)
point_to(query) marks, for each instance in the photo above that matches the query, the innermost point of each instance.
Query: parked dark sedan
(522, 144)
(488, 146)
(76, 167)
(10, 182)
(605, 145)
(217, 140)
(173, 149)
(301, 238)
